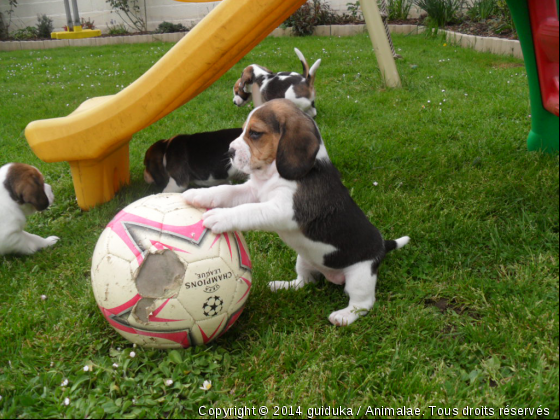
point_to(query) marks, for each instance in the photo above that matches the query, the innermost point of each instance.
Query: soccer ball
(163, 280)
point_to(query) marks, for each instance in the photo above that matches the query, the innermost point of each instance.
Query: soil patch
(445, 305)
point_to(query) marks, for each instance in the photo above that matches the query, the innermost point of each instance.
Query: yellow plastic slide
(94, 138)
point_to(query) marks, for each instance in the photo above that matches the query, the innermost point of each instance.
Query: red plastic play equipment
(537, 26)
(544, 25)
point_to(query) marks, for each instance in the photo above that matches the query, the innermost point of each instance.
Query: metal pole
(77, 22)
(69, 23)
(380, 43)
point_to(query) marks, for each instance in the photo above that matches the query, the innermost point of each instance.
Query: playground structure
(537, 25)
(94, 139)
(75, 30)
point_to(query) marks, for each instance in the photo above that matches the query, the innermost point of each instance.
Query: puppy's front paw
(284, 285)
(217, 221)
(199, 198)
(51, 240)
(278, 285)
(346, 316)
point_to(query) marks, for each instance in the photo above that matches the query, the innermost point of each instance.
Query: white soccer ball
(163, 280)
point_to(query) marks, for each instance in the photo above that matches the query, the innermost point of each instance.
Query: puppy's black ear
(153, 161)
(298, 146)
(26, 186)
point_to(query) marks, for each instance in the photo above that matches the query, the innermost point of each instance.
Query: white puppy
(22, 192)
(295, 190)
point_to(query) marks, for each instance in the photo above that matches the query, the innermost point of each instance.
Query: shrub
(3, 27)
(440, 12)
(325, 15)
(311, 14)
(6, 19)
(131, 14)
(88, 24)
(399, 9)
(25, 34)
(482, 10)
(169, 28)
(44, 26)
(504, 20)
(354, 13)
(117, 28)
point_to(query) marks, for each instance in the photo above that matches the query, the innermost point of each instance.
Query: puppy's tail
(303, 62)
(396, 244)
(313, 72)
(308, 73)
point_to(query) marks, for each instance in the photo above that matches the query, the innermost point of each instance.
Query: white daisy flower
(132, 354)
(168, 382)
(66, 401)
(64, 382)
(206, 385)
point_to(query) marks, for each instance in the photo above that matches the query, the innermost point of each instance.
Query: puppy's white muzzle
(242, 158)
(238, 100)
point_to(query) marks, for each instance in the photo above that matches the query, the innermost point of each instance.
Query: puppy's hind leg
(174, 187)
(305, 274)
(360, 287)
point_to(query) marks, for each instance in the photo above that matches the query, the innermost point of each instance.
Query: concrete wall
(101, 13)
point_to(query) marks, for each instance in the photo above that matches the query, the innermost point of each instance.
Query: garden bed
(484, 44)
(487, 28)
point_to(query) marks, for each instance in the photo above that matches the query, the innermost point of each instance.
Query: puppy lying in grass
(199, 159)
(22, 192)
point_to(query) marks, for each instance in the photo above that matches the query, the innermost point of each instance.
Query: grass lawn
(466, 315)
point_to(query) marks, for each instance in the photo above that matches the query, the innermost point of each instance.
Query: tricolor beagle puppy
(295, 190)
(22, 192)
(201, 159)
(263, 85)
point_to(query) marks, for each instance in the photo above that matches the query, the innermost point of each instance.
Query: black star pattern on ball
(213, 306)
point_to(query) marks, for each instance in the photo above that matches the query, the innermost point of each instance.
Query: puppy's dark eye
(255, 135)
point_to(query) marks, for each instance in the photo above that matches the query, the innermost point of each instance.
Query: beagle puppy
(201, 159)
(22, 192)
(262, 85)
(296, 191)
